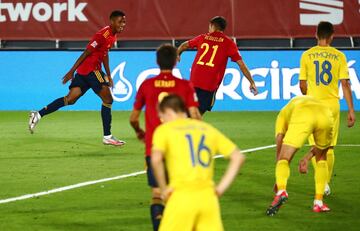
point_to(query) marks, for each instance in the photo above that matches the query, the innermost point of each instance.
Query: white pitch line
(347, 145)
(83, 184)
(251, 150)
(69, 187)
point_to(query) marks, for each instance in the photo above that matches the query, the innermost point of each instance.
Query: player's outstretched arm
(247, 74)
(183, 47)
(135, 124)
(70, 74)
(345, 84)
(157, 163)
(236, 161)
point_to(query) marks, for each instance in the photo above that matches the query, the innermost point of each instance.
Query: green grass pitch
(67, 149)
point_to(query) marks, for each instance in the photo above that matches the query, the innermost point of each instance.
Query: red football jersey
(152, 91)
(99, 46)
(209, 65)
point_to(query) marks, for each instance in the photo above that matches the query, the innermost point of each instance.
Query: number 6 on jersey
(197, 158)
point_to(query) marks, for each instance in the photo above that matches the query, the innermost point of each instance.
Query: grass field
(67, 149)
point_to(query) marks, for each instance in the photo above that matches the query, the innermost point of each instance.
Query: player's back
(209, 65)
(190, 146)
(323, 67)
(153, 90)
(311, 109)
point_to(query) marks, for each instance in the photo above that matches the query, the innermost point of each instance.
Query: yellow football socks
(321, 177)
(282, 174)
(330, 158)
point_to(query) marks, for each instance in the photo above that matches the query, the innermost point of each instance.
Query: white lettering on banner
(230, 89)
(262, 72)
(332, 12)
(273, 83)
(289, 89)
(76, 11)
(275, 80)
(42, 7)
(42, 11)
(22, 11)
(58, 9)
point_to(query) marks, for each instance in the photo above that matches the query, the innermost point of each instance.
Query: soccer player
(188, 146)
(207, 71)
(321, 68)
(301, 117)
(149, 95)
(89, 75)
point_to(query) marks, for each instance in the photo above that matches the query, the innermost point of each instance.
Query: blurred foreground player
(301, 117)
(188, 147)
(150, 93)
(89, 75)
(321, 68)
(207, 72)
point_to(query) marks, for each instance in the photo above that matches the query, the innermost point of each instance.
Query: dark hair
(173, 102)
(324, 30)
(116, 13)
(219, 22)
(166, 56)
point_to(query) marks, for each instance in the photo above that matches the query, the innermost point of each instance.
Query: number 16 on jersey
(198, 158)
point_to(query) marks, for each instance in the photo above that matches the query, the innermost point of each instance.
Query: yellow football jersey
(322, 68)
(189, 146)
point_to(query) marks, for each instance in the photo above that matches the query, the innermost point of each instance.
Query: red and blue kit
(209, 65)
(89, 73)
(99, 46)
(152, 91)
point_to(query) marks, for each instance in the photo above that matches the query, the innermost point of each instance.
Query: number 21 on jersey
(206, 48)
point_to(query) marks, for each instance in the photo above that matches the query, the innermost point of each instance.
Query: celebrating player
(188, 147)
(301, 117)
(149, 95)
(89, 75)
(213, 51)
(321, 68)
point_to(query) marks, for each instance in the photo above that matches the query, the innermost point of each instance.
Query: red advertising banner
(168, 19)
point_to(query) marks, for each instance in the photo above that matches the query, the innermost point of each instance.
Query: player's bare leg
(35, 116)
(107, 101)
(282, 174)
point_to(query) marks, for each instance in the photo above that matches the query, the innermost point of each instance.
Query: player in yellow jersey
(321, 68)
(301, 117)
(188, 147)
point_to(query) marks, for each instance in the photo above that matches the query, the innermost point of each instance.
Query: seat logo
(321, 10)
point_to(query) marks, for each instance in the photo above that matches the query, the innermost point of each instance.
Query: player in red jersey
(89, 75)
(207, 72)
(150, 93)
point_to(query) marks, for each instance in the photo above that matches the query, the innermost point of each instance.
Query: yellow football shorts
(334, 106)
(302, 123)
(192, 210)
